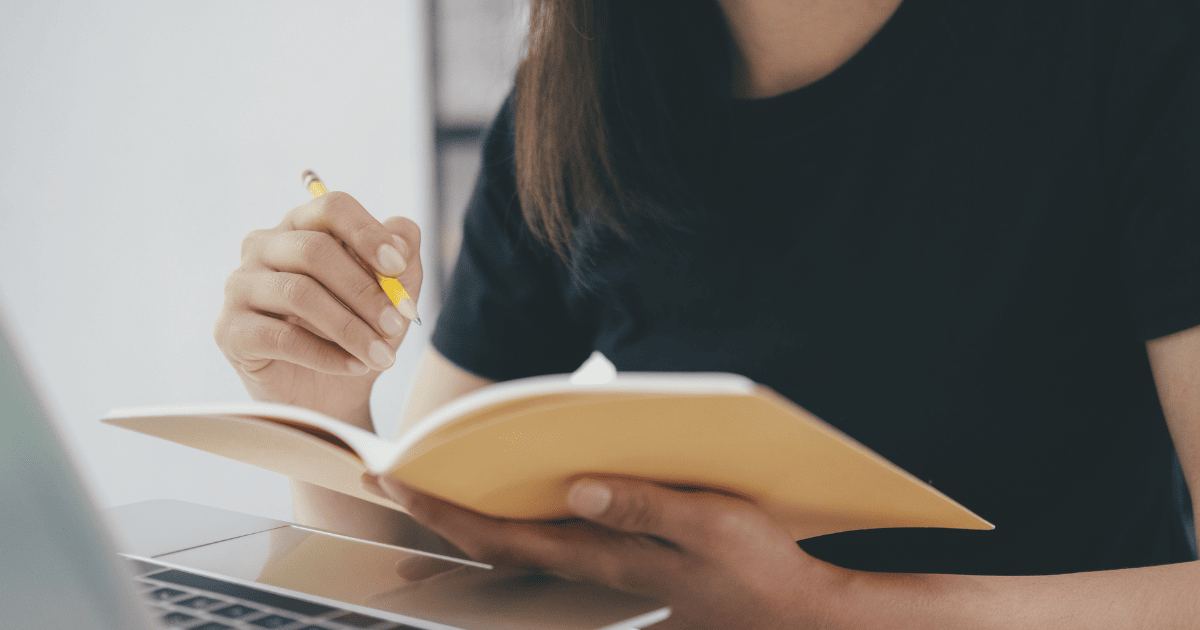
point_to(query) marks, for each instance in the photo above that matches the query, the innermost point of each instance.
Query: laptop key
(164, 594)
(199, 602)
(273, 621)
(236, 611)
(355, 620)
(212, 625)
(177, 619)
(290, 604)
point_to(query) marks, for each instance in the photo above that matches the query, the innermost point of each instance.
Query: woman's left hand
(717, 561)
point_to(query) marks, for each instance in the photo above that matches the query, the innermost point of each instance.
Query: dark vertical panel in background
(474, 48)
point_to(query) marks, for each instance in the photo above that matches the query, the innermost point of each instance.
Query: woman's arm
(1150, 597)
(720, 562)
(437, 382)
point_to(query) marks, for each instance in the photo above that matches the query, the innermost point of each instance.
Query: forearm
(1165, 596)
(336, 512)
(333, 511)
(437, 382)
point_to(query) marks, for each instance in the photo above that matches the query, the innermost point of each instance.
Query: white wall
(139, 142)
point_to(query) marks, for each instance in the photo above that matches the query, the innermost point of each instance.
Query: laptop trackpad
(364, 574)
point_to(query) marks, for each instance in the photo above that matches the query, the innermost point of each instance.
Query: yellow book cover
(512, 449)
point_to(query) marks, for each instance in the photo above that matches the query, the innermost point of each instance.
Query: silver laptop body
(183, 565)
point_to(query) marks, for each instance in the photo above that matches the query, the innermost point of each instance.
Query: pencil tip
(409, 309)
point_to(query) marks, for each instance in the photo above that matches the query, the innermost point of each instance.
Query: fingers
(408, 240)
(313, 278)
(495, 541)
(307, 299)
(639, 537)
(409, 233)
(330, 237)
(321, 257)
(342, 216)
(575, 550)
(254, 340)
(688, 519)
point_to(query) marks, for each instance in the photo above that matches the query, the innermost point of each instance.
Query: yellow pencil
(391, 286)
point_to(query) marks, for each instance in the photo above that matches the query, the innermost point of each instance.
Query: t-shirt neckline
(900, 39)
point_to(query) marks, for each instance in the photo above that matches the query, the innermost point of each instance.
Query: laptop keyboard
(186, 600)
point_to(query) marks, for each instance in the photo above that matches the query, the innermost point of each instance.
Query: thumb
(407, 237)
(638, 507)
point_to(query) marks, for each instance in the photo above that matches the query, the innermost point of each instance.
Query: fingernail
(390, 260)
(391, 322)
(381, 354)
(356, 366)
(589, 498)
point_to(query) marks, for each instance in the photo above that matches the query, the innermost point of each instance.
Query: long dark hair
(621, 114)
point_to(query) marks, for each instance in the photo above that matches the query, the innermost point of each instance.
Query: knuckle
(233, 334)
(227, 325)
(636, 512)
(259, 336)
(238, 285)
(349, 329)
(235, 338)
(250, 244)
(728, 522)
(315, 247)
(613, 573)
(406, 229)
(365, 291)
(296, 289)
(602, 566)
(278, 337)
(366, 232)
(220, 330)
(556, 556)
(335, 197)
(337, 202)
(232, 284)
(320, 353)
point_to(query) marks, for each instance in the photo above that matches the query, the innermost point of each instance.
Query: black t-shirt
(952, 248)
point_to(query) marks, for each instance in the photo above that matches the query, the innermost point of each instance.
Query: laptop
(174, 564)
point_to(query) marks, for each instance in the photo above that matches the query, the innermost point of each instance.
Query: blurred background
(141, 141)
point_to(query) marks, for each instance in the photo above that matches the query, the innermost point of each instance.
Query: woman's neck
(784, 45)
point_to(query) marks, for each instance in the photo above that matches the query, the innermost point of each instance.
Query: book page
(809, 476)
(262, 443)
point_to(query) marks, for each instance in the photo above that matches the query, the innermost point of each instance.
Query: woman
(965, 233)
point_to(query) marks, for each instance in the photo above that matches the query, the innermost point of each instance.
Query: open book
(512, 449)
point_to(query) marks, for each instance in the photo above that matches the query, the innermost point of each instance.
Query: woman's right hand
(304, 323)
